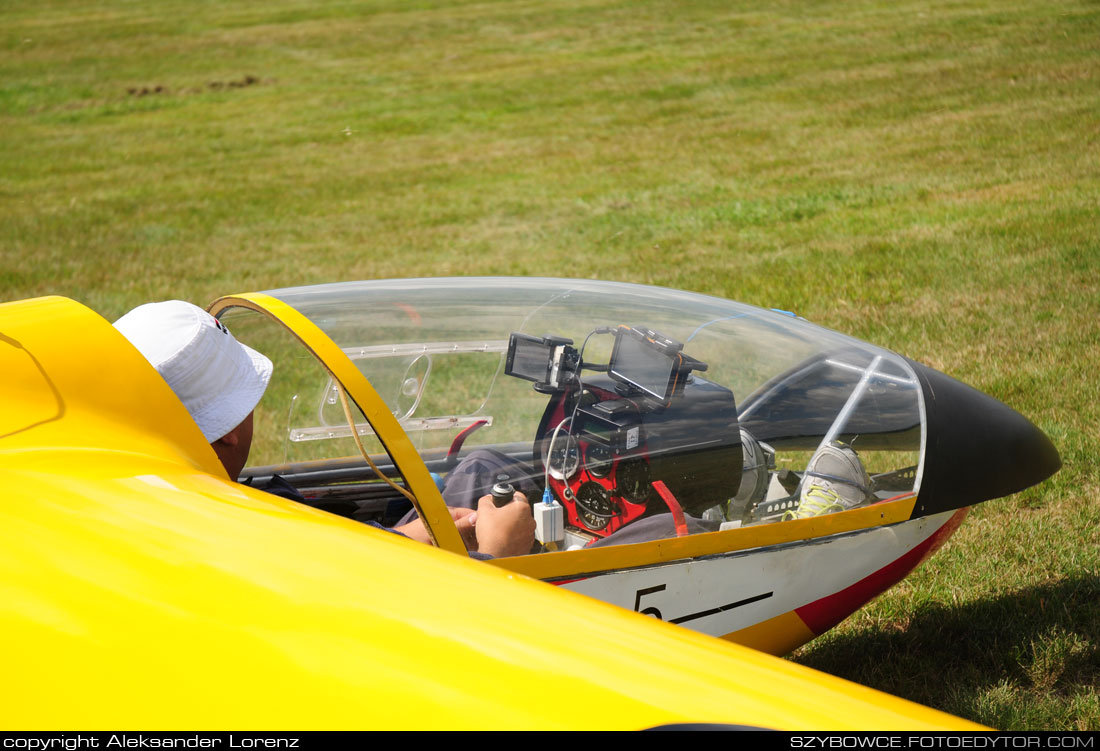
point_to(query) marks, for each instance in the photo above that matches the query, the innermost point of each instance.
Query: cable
(716, 320)
(550, 451)
(363, 451)
(580, 366)
(569, 419)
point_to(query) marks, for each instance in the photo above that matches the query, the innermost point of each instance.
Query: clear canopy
(643, 410)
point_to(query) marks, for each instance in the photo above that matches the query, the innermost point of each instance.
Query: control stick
(503, 493)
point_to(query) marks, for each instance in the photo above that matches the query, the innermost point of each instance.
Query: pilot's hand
(464, 519)
(504, 531)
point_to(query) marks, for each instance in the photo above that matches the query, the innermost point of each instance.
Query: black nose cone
(977, 447)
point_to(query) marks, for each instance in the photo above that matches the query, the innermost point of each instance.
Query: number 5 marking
(639, 594)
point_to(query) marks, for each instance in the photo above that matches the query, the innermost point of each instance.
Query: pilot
(221, 381)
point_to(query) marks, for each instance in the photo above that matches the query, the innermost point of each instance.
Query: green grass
(924, 175)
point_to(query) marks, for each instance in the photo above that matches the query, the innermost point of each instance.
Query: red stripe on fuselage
(821, 615)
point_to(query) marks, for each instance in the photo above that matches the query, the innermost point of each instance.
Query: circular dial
(594, 506)
(564, 457)
(597, 459)
(632, 480)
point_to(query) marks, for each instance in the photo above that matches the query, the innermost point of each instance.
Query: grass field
(924, 175)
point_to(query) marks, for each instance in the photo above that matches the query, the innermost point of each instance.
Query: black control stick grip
(503, 493)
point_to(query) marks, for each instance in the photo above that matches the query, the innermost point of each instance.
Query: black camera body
(693, 444)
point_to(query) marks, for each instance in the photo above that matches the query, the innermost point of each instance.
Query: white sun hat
(217, 378)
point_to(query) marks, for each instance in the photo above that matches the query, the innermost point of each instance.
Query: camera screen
(637, 363)
(529, 358)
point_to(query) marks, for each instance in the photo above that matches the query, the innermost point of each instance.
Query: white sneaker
(835, 480)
